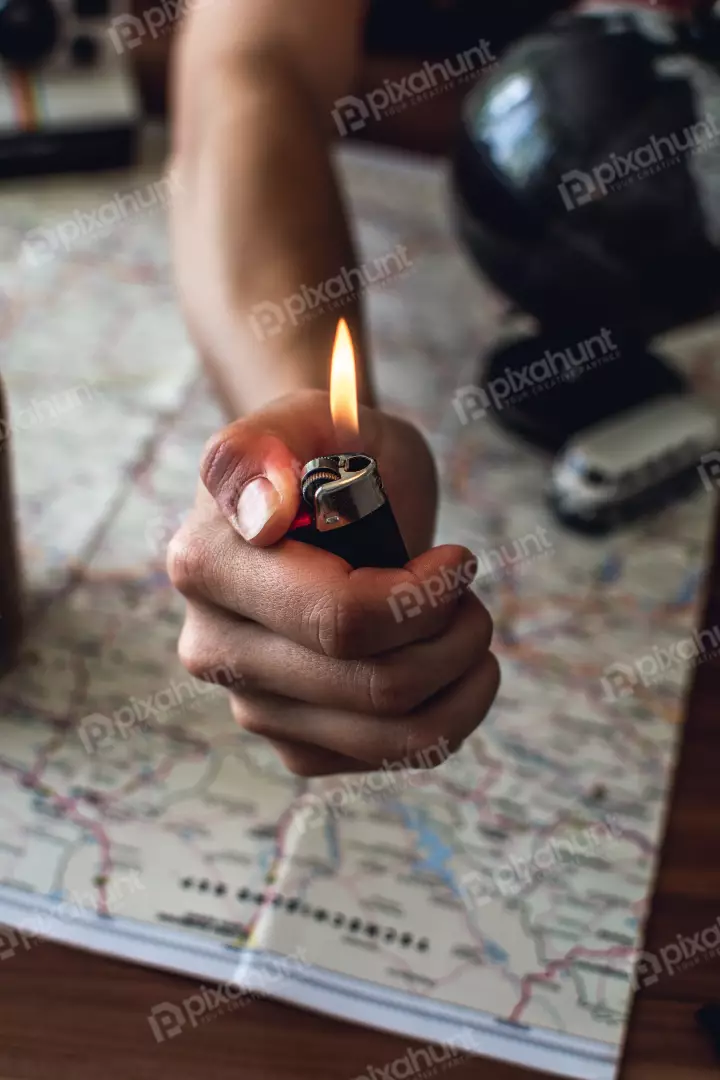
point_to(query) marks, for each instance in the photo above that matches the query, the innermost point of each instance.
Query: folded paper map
(496, 903)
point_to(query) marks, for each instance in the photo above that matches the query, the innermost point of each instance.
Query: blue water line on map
(435, 855)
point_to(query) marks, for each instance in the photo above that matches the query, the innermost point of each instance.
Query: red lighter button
(302, 521)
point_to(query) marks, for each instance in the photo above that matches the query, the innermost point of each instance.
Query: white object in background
(613, 470)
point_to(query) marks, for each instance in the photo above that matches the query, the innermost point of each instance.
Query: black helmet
(587, 174)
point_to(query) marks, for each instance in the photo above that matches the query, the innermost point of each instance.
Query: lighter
(346, 509)
(348, 513)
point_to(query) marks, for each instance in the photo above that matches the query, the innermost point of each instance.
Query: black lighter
(347, 512)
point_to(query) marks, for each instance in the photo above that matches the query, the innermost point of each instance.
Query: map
(495, 903)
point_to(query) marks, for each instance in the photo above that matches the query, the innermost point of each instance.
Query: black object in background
(593, 382)
(11, 607)
(71, 56)
(29, 31)
(587, 189)
(637, 250)
(708, 1018)
(443, 28)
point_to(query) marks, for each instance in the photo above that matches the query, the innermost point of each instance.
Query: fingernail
(256, 506)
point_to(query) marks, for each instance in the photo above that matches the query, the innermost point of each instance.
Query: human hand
(333, 675)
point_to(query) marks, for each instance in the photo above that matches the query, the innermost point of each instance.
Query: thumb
(255, 480)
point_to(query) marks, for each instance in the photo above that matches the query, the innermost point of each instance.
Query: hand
(335, 675)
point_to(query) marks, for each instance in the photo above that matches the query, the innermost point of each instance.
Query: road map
(495, 903)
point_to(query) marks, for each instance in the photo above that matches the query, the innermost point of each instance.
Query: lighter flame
(343, 386)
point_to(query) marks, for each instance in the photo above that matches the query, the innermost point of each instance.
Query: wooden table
(65, 1015)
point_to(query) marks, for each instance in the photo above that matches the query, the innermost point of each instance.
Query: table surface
(69, 1015)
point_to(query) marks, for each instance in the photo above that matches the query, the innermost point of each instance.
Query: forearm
(258, 224)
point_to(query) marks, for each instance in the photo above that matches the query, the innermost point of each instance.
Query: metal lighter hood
(342, 488)
(348, 512)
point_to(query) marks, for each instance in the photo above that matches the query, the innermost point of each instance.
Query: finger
(253, 467)
(316, 599)
(307, 761)
(391, 684)
(423, 739)
(254, 478)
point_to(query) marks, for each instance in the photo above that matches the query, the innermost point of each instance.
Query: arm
(318, 662)
(257, 214)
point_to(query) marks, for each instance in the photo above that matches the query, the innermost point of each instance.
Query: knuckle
(247, 714)
(477, 623)
(393, 689)
(193, 654)
(338, 628)
(426, 746)
(486, 628)
(494, 674)
(299, 763)
(218, 460)
(187, 560)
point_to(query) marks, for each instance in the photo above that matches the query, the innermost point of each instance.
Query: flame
(343, 387)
